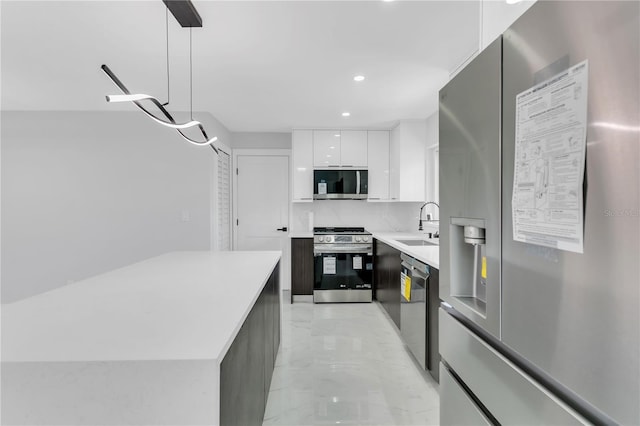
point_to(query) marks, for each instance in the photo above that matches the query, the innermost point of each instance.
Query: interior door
(262, 203)
(262, 207)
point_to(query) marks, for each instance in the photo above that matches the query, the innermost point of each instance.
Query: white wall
(87, 192)
(494, 16)
(258, 140)
(497, 16)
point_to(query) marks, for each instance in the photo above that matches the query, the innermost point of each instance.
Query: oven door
(339, 270)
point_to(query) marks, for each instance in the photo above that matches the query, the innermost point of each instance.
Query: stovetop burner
(339, 230)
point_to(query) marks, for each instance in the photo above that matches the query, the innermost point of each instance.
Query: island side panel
(273, 328)
(247, 367)
(110, 392)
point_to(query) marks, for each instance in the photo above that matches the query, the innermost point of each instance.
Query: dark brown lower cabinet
(247, 368)
(386, 279)
(301, 267)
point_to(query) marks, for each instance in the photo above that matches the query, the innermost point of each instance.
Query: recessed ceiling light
(358, 78)
(387, 0)
(346, 114)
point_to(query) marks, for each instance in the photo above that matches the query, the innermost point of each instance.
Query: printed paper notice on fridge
(329, 265)
(550, 148)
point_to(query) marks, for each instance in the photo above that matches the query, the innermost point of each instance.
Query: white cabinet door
(302, 165)
(378, 164)
(432, 155)
(326, 148)
(394, 164)
(413, 141)
(407, 161)
(353, 148)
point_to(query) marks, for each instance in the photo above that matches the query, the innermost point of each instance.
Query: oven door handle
(349, 250)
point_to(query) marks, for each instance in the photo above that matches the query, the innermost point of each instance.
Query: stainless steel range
(343, 265)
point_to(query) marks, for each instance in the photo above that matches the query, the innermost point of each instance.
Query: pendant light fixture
(186, 14)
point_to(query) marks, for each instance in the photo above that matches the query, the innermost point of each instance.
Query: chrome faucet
(422, 208)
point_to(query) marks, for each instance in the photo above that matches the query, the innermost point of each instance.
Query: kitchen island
(182, 338)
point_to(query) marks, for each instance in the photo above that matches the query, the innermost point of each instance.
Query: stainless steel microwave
(340, 184)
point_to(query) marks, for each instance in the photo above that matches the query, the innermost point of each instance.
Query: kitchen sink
(417, 243)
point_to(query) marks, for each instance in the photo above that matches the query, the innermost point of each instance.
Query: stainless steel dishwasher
(413, 307)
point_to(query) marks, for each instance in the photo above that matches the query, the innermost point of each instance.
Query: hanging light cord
(481, 25)
(168, 79)
(191, 70)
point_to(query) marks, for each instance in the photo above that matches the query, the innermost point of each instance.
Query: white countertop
(427, 254)
(178, 306)
(301, 234)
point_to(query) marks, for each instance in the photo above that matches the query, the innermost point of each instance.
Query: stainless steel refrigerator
(531, 333)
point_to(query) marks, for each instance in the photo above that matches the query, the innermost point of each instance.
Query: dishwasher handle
(421, 269)
(417, 268)
(419, 273)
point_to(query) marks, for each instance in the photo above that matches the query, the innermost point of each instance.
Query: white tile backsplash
(401, 217)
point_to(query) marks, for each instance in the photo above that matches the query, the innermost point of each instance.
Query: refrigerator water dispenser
(468, 263)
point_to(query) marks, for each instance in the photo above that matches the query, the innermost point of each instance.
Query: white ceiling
(257, 65)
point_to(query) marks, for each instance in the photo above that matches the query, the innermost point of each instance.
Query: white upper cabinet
(432, 154)
(394, 164)
(396, 159)
(302, 163)
(378, 163)
(326, 148)
(407, 161)
(353, 148)
(340, 148)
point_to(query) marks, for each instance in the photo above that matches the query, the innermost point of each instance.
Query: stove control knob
(321, 239)
(365, 239)
(358, 239)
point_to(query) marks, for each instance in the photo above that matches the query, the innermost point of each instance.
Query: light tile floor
(346, 364)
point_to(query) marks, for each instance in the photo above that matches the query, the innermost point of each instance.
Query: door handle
(283, 229)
